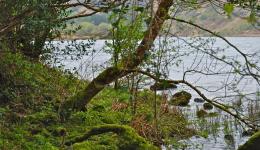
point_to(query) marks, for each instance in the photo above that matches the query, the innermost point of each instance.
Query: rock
(249, 132)
(199, 100)
(253, 143)
(181, 98)
(163, 86)
(201, 113)
(207, 106)
(229, 139)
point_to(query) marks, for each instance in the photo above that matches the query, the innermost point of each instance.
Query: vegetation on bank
(44, 108)
(30, 96)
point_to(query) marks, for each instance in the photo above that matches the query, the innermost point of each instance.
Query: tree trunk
(112, 73)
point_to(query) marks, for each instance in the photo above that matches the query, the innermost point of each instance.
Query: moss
(207, 106)
(163, 86)
(201, 113)
(33, 84)
(181, 98)
(213, 114)
(253, 143)
(30, 118)
(128, 138)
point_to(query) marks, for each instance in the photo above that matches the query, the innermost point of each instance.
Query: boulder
(249, 132)
(201, 113)
(162, 86)
(180, 98)
(207, 106)
(230, 141)
(199, 100)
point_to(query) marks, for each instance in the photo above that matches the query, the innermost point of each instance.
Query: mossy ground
(31, 94)
(253, 143)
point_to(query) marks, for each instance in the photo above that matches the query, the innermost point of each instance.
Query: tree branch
(247, 62)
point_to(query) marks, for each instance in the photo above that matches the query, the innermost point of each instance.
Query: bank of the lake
(31, 94)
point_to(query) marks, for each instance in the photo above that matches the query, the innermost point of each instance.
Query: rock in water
(199, 100)
(229, 139)
(201, 113)
(249, 132)
(181, 98)
(207, 106)
(162, 86)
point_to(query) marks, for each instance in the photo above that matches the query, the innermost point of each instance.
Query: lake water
(195, 55)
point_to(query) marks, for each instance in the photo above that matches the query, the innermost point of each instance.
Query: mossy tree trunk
(253, 143)
(113, 73)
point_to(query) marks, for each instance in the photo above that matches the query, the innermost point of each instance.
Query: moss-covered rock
(253, 143)
(128, 139)
(207, 106)
(181, 98)
(162, 86)
(201, 113)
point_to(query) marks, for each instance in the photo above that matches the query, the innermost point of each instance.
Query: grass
(31, 94)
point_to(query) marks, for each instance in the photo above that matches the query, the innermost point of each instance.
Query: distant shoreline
(107, 38)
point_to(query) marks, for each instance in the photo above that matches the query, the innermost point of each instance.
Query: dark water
(196, 59)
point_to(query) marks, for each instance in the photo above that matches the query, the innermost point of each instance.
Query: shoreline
(108, 38)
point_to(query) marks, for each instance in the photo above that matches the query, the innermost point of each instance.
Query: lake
(210, 75)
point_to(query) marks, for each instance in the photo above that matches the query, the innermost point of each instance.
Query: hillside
(211, 19)
(98, 26)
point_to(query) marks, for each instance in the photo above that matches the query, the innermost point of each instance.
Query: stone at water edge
(207, 106)
(249, 132)
(162, 86)
(230, 141)
(180, 98)
(253, 143)
(201, 113)
(199, 100)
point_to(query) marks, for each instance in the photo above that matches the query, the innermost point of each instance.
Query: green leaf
(140, 9)
(229, 8)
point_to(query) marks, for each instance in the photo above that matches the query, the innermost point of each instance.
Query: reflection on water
(222, 131)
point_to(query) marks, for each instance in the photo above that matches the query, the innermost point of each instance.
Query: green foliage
(229, 8)
(128, 139)
(29, 118)
(33, 84)
(125, 20)
(39, 21)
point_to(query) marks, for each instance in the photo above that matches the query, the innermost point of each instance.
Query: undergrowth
(30, 96)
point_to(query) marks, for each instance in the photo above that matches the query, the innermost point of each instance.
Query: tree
(112, 73)
(130, 63)
(26, 25)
